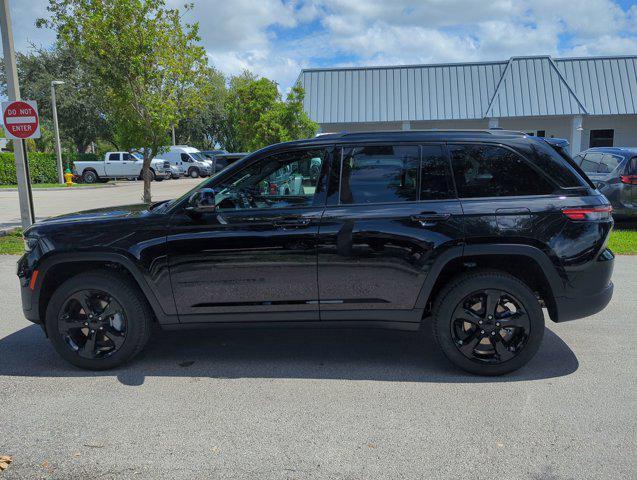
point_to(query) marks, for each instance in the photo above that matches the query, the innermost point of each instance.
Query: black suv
(470, 233)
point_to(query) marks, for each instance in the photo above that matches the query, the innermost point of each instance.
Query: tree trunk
(147, 175)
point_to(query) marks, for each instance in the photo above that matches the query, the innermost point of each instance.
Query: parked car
(175, 172)
(119, 165)
(211, 153)
(190, 161)
(466, 233)
(614, 172)
(223, 160)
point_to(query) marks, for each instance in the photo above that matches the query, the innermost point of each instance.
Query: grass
(50, 185)
(623, 242)
(12, 244)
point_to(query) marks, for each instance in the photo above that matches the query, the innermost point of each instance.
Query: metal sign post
(13, 92)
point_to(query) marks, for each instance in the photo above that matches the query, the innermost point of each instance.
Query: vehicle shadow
(348, 354)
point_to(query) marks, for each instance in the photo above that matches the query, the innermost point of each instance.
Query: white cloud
(276, 38)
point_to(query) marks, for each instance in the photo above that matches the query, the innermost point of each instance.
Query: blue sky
(276, 38)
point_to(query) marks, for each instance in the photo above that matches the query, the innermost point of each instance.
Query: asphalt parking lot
(57, 202)
(304, 404)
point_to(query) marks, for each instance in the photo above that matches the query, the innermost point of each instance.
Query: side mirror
(202, 201)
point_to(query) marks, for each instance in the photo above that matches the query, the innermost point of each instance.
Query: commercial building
(590, 101)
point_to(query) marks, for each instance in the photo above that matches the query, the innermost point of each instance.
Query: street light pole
(13, 92)
(58, 147)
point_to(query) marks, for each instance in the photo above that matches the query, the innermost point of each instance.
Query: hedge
(42, 166)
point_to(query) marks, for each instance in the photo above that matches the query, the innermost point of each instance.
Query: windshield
(137, 155)
(199, 157)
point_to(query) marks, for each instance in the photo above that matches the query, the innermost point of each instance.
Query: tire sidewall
(457, 291)
(137, 318)
(194, 173)
(89, 177)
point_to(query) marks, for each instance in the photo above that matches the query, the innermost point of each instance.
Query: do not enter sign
(20, 119)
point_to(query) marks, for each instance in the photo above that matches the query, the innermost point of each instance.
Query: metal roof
(522, 86)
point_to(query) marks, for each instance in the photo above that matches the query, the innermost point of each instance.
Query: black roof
(417, 134)
(402, 136)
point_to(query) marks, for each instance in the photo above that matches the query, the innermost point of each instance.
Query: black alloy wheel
(487, 322)
(490, 326)
(98, 320)
(93, 324)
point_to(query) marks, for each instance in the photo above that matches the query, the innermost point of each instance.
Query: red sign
(21, 120)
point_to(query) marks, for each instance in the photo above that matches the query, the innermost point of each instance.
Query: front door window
(283, 180)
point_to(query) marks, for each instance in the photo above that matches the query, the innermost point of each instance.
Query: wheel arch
(58, 268)
(527, 263)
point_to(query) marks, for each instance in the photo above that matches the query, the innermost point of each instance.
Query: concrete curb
(106, 185)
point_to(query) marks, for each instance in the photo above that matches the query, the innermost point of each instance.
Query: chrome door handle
(292, 222)
(430, 219)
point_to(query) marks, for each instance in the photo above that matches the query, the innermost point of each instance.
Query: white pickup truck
(120, 165)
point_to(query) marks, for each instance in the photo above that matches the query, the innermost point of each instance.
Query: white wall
(625, 126)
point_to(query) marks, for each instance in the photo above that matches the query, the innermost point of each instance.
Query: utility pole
(13, 91)
(58, 147)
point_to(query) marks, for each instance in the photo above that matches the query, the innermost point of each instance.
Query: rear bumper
(584, 306)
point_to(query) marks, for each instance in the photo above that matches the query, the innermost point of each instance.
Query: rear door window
(436, 182)
(113, 157)
(379, 174)
(591, 162)
(609, 163)
(495, 171)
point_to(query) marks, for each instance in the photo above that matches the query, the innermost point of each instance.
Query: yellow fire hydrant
(68, 177)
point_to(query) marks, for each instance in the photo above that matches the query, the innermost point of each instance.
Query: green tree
(285, 121)
(148, 66)
(256, 116)
(205, 126)
(80, 117)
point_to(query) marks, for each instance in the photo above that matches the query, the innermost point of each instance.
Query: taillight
(629, 179)
(588, 213)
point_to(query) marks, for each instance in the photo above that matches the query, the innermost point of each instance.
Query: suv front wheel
(98, 320)
(488, 322)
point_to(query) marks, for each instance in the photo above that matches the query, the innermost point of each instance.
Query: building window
(602, 138)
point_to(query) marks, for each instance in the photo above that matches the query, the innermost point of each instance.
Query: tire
(89, 176)
(194, 173)
(499, 349)
(135, 316)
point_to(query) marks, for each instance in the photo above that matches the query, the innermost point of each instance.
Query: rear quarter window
(495, 171)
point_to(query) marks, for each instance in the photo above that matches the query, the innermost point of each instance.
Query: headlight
(30, 243)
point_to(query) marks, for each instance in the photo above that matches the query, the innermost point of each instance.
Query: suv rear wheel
(488, 322)
(98, 320)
